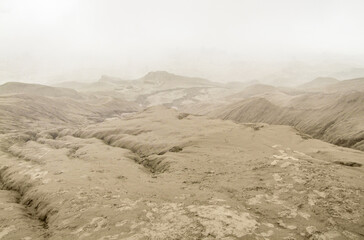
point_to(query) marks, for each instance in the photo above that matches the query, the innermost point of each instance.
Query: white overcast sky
(131, 37)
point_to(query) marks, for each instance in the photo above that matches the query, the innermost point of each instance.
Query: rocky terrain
(125, 161)
(339, 121)
(332, 113)
(156, 88)
(24, 106)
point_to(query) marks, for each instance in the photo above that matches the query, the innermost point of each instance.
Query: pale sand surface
(159, 174)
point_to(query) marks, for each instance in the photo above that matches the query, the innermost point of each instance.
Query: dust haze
(50, 41)
(181, 119)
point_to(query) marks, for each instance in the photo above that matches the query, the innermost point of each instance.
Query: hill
(319, 83)
(33, 105)
(165, 79)
(254, 90)
(356, 84)
(159, 174)
(333, 118)
(250, 110)
(156, 88)
(37, 89)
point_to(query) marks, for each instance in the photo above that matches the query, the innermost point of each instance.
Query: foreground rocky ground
(160, 174)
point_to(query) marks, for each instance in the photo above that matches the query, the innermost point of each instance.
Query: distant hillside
(319, 83)
(253, 90)
(262, 89)
(72, 84)
(161, 80)
(356, 84)
(27, 111)
(350, 73)
(115, 80)
(250, 110)
(37, 89)
(313, 100)
(241, 85)
(155, 88)
(168, 80)
(339, 120)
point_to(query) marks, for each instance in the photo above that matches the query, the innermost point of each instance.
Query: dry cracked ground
(160, 174)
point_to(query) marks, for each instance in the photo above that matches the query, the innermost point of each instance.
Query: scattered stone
(176, 149)
(182, 116)
(349, 164)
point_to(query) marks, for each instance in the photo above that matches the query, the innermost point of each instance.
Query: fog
(53, 41)
(188, 119)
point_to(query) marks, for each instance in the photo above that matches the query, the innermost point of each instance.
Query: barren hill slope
(11, 88)
(333, 118)
(250, 110)
(318, 83)
(159, 87)
(32, 105)
(168, 80)
(159, 174)
(347, 85)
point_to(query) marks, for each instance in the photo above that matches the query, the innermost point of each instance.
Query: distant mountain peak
(325, 80)
(167, 76)
(106, 78)
(319, 82)
(37, 89)
(159, 74)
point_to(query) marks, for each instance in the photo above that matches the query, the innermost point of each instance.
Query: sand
(158, 174)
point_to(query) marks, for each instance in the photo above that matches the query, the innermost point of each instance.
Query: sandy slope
(356, 84)
(319, 83)
(333, 118)
(12, 88)
(332, 112)
(160, 174)
(26, 106)
(157, 88)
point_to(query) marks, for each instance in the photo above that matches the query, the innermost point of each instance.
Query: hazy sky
(47, 38)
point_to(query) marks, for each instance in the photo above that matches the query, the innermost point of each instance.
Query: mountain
(254, 90)
(114, 80)
(37, 89)
(333, 118)
(349, 73)
(250, 110)
(165, 79)
(72, 85)
(333, 85)
(161, 80)
(240, 85)
(32, 105)
(319, 82)
(356, 84)
(92, 165)
(159, 174)
(156, 88)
